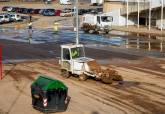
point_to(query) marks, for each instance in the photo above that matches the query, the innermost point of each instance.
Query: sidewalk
(141, 30)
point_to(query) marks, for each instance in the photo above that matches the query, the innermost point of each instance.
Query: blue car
(48, 12)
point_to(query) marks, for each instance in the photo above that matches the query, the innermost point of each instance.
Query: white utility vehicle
(96, 23)
(74, 62)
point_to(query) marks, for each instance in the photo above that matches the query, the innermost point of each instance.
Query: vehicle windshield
(106, 19)
(77, 52)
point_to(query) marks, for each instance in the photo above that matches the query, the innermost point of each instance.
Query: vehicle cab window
(98, 19)
(66, 54)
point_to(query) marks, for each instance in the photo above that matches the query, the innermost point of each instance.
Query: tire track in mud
(138, 97)
(138, 102)
(142, 90)
(145, 98)
(107, 96)
(150, 93)
(104, 102)
(3, 112)
(75, 79)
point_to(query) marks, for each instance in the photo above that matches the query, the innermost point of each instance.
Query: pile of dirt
(94, 66)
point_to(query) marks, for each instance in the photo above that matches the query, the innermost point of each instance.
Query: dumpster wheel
(65, 73)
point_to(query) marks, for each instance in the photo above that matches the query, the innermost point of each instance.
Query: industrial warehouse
(82, 56)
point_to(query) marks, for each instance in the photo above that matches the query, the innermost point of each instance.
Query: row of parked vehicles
(9, 17)
(50, 12)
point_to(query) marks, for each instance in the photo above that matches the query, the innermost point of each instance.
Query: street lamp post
(77, 24)
(138, 13)
(149, 15)
(127, 13)
(162, 7)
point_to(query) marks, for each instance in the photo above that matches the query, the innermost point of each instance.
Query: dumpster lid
(47, 83)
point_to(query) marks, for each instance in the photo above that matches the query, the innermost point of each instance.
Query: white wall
(156, 3)
(119, 20)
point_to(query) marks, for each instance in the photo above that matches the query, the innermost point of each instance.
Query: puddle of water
(67, 36)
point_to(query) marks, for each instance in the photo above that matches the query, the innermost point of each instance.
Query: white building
(136, 12)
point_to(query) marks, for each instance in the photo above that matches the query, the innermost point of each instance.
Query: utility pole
(77, 24)
(162, 4)
(127, 13)
(149, 15)
(138, 13)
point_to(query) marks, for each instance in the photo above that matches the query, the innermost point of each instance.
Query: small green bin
(49, 95)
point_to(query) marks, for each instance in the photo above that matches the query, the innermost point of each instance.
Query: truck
(73, 62)
(100, 23)
(96, 2)
(65, 2)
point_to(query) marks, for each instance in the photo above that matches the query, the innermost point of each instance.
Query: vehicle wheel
(91, 31)
(99, 32)
(82, 77)
(65, 73)
(107, 32)
(118, 78)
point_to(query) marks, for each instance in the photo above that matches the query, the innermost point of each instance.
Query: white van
(65, 2)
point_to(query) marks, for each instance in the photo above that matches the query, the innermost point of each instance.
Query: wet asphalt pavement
(45, 44)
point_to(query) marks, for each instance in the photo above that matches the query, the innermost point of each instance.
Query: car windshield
(12, 15)
(106, 19)
(77, 52)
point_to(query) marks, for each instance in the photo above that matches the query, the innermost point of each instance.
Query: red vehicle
(57, 12)
(5, 8)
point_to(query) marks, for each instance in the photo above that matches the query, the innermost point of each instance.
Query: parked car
(36, 11)
(67, 12)
(48, 1)
(15, 9)
(29, 11)
(14, 16)
(57, 12)
(48, 12)
(5, 8)
(4, 18)
(82, 11)
(20, 10)
(9, 9)
(40, 12)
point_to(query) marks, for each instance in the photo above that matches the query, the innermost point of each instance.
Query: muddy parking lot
(141, 62)
(143, 90)
(143, 70)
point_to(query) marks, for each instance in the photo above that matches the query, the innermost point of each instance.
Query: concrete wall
(110, 6)
(156, 3)
(119, 20)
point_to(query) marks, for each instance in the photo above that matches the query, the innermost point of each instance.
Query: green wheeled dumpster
(49, 95)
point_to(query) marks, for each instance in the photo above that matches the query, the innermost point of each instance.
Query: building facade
(138, 12)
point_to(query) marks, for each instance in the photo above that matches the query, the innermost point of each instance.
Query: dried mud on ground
(143, 91)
